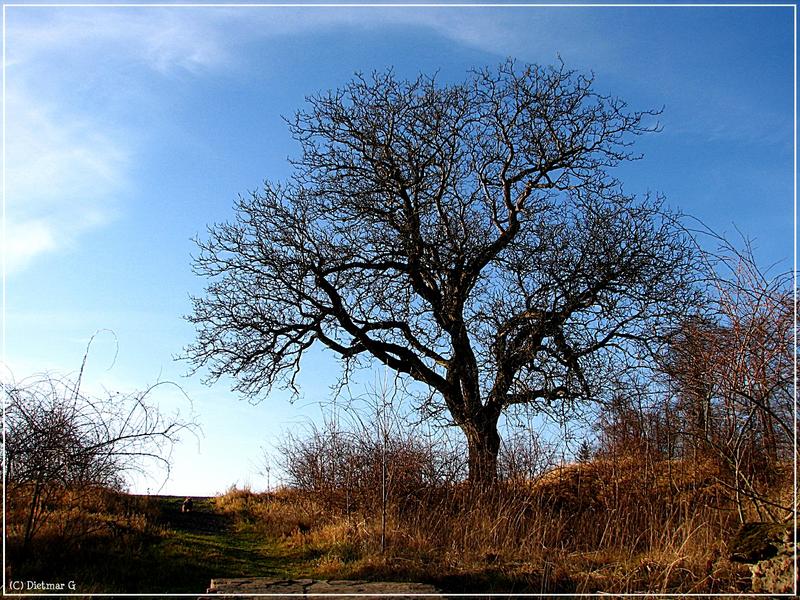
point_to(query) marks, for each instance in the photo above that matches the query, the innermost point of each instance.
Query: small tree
(467, 236)
(585, 452)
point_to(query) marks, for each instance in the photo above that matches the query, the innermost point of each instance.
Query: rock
(370, 587)
(258, 585)
(756, 541)
(333, 587)
(776, 575)
(770, 550)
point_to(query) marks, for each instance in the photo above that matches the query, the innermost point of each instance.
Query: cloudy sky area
(129, 129)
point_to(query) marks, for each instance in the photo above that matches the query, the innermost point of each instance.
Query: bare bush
(732, 374)
(360, 458)
(61, 443)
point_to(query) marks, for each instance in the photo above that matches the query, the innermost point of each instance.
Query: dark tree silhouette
(466, 236)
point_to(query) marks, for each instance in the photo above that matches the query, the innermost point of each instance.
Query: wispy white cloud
(26, 239)
(526, 33)
(74, 76)
(162, 39)
(62, 172)
(69, 99)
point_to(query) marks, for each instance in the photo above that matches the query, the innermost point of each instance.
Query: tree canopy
(468, 236)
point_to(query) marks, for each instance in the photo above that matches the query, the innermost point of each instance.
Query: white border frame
(301, 5)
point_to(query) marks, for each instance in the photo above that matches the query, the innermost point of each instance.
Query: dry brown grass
(76, 534)
(68, 516)
(609, 525)
(282, 513)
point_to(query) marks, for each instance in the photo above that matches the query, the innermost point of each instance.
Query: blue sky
(129, 129)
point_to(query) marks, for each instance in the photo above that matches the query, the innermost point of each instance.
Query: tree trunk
(483, 443)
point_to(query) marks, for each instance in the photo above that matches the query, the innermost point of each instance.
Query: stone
(258, 585)
(344, 587)
(770, 550)
(332, 588)
(756, 541)
(776, 575)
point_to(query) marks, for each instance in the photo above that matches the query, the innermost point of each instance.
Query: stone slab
(343, 587)
(309, 588)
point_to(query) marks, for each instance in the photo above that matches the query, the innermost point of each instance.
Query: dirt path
(202, 520)
(203, 544)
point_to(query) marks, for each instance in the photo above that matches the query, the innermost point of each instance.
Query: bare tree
(58, 440)
(733, 375)
(467, 236)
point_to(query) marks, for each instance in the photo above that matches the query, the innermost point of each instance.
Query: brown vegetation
(620, 523)
(596, 527)
(83, 529)
(684, 454)
(61, 444)
(66, 457)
